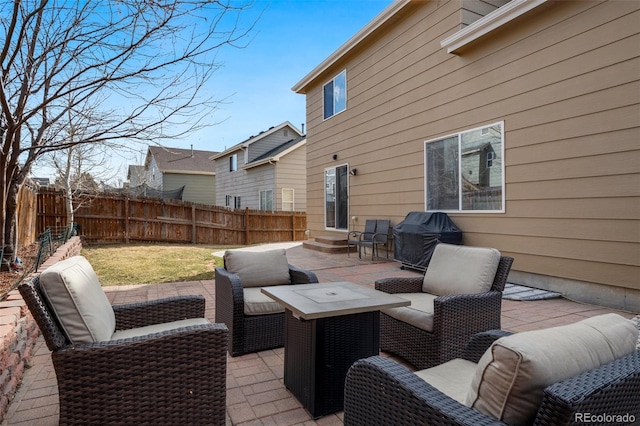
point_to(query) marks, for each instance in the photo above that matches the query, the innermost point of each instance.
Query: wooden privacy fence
(25, 214)
(122, 219)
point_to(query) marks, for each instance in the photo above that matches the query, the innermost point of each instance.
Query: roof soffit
(488, 23)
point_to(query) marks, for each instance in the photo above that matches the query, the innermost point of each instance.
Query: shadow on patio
(255, 389)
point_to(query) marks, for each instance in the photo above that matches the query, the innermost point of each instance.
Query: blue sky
(291, 38)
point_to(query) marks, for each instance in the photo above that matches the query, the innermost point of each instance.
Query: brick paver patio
(255, 391)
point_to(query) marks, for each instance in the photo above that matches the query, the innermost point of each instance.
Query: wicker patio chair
(451, 319)
(255, 321)
(174, 375)
(379, 390)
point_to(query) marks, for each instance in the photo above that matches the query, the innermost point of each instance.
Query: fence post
(193, 224)
(246, 226)
(293, 226)
(126, 220)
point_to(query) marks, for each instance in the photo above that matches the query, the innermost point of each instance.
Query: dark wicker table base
(319, 352)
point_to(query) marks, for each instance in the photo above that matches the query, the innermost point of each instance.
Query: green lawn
(125, 264)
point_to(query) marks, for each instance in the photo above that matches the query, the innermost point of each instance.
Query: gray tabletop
(312, 301)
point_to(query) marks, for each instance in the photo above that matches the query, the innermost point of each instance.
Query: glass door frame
(336, 217)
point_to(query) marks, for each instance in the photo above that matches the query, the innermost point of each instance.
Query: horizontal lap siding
(291, 173)
(565, 80)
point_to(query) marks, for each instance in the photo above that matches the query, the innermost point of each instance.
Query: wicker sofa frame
(456, 319)
(380, 391)
(173, 377)
(250, 333)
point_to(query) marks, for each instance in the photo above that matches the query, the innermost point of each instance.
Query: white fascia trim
(188, 172)
(379, 20)
(245, 144)
(485, 25)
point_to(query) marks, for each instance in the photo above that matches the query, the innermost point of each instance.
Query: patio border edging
(19, 331)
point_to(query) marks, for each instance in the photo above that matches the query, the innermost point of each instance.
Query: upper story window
(335, 95)
(465, 172)
(233, 163)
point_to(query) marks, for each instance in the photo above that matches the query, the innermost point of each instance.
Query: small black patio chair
(375, 234)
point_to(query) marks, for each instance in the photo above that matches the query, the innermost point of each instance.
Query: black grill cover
(415, 238)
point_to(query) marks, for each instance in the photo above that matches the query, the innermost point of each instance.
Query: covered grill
(415, 238)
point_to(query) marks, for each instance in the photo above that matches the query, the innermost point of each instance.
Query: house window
(287, 199)
(266, 200)
(232, 201)
(233, 163)
(490, 157)
(465, 172)
(335, 95)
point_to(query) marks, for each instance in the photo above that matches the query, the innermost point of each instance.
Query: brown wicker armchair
(173, 376)
(380, 391)
(263, 328)
(454, 318)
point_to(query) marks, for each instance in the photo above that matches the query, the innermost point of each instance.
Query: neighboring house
(136, 175)
(170, 169)
(520, 119)
(264, 172)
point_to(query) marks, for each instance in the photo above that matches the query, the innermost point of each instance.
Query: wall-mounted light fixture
(353, 172)
(335, 156)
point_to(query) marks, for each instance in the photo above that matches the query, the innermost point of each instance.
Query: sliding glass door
(336, 198)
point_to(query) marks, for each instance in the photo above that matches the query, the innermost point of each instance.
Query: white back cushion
(74, 292)
(258, 268)
(512, 374)
(457, 269)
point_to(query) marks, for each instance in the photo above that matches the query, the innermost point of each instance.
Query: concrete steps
(327, 244)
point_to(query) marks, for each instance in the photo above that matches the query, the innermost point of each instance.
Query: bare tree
(149, 60)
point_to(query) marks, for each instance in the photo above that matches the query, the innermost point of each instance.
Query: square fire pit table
(328, 326)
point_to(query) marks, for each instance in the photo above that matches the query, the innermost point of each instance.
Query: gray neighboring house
(265, 172)
(136, 175)
(169, 169)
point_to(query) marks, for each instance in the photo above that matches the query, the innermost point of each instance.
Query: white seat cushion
(75, 295)
(460, 270)
(157, 328)
(258, 303)
(418, 314)
(512, 374)
(453, 378)
(258, 268)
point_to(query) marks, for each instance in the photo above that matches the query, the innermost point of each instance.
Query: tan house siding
(292, 174)
(564, 79)
(262, 178)
(472, 10)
